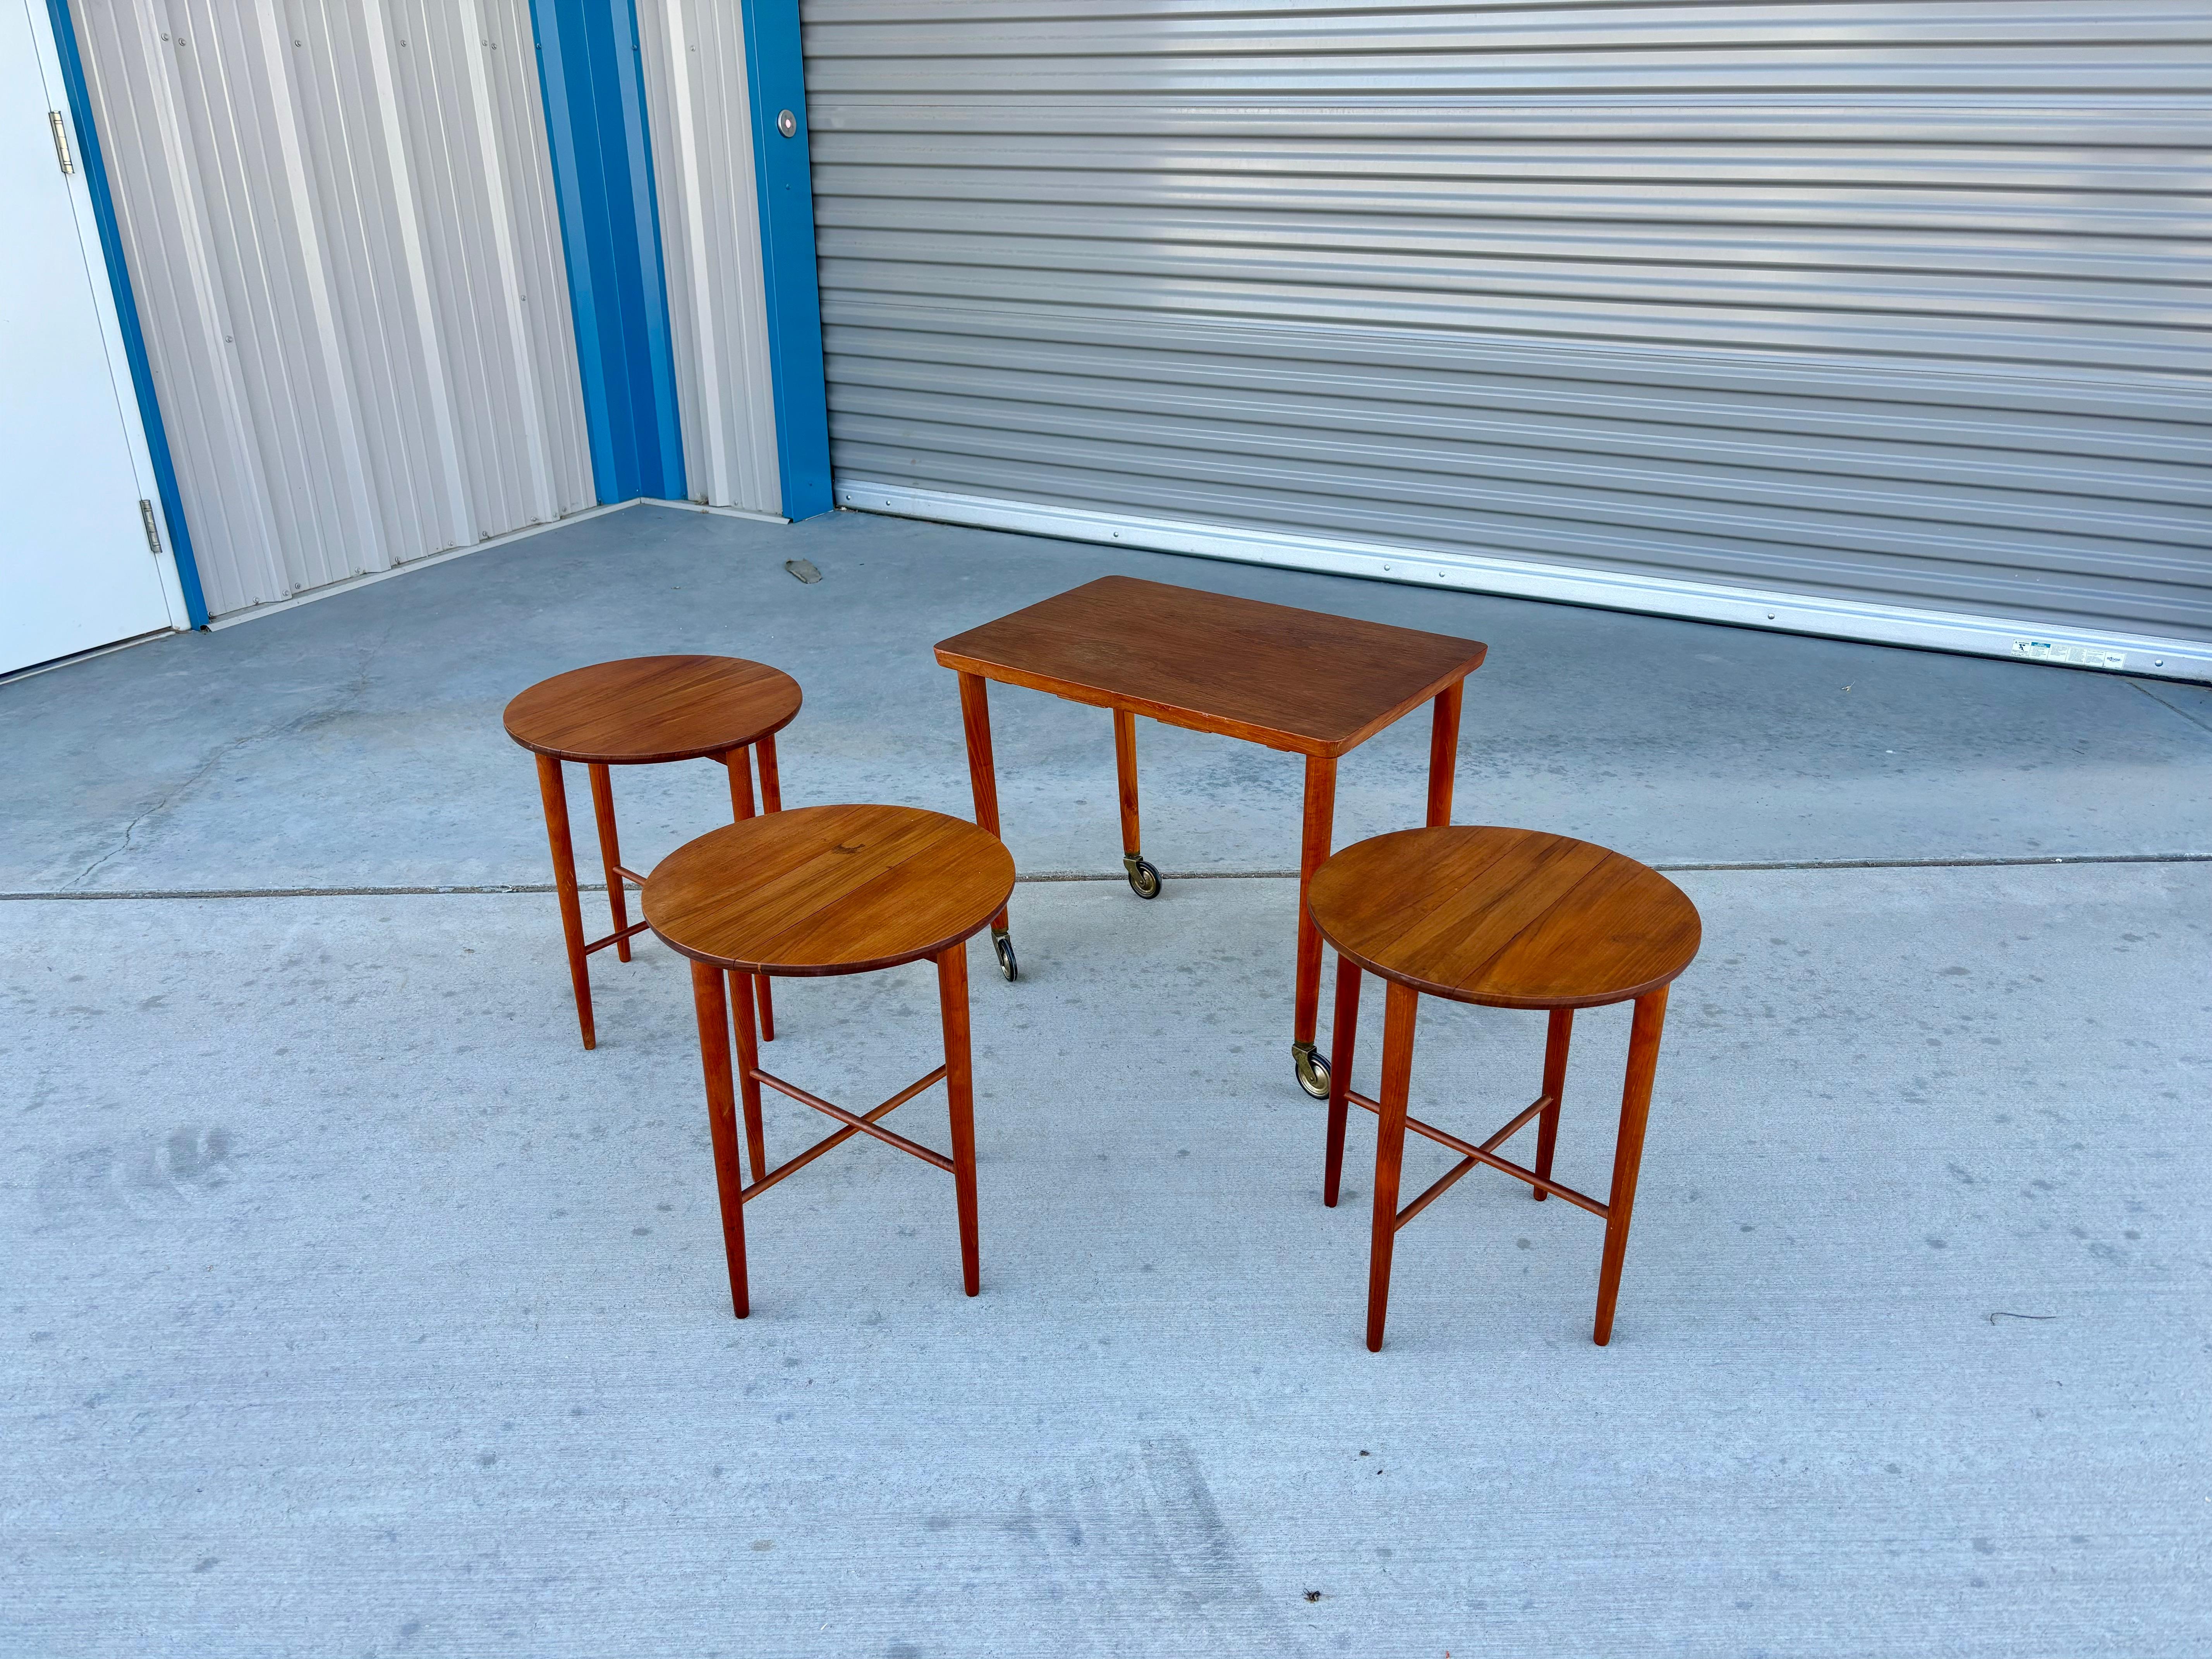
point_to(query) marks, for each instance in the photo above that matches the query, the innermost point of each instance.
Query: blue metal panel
(775, 75)
(594, 88)
(126, 309)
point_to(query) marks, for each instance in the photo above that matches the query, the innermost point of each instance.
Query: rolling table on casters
(1302, 681)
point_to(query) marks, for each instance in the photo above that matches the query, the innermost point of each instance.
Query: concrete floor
(354, 1309)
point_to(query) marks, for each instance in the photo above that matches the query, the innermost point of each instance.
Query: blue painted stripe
(126, 309)
(775, 75)
(594, 83)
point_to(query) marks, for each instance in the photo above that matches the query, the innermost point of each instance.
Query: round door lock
(788, 125)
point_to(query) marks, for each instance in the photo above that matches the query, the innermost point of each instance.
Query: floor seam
(1054, 878)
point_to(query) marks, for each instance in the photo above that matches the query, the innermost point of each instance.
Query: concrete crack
(352, 693)
(131, 828)
(2203, 726)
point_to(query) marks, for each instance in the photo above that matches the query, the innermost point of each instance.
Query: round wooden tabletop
(828, 890)
(1513, 918)
(645, 710)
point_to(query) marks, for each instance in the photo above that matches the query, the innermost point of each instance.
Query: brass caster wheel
(1005, 948)
(1143, 880)
(1312, 1070)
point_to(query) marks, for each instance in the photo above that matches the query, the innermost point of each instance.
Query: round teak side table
(643, 711)
(1510, 919)
(820, 891)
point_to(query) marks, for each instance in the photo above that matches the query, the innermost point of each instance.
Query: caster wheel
(1311, 1069)
(1143, 880)
(1005, 948)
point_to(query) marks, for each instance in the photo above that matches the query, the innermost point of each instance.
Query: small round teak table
(643, 711)
(1510, 919)
(822, 890)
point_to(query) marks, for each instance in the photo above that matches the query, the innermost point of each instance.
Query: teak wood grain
(828, 890)
(645, 710)
(1511, 918)
(1271, 674)
(642, 711)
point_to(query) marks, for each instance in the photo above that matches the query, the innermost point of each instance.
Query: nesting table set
(1504, 918)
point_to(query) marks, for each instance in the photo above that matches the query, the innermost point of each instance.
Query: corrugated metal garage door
(1897, 314)
(340, 225)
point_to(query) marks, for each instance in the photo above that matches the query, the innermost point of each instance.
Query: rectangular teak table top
(1272, 674)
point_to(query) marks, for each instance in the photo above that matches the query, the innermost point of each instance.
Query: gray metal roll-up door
(1879, 319)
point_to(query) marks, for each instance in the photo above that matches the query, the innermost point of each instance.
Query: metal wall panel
(1883, 308)
(596, 120)
(703, 164)
(340, 226)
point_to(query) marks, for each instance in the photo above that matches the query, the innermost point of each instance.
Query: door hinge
(152, 532)
(61, 141)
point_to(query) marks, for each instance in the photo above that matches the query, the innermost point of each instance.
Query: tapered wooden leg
(959, 1089)
(982, 776)
(771, 789)
(1343, 1029)
(603, 809)
(741, 784)
(771, 781)
(1444, 753)
(1628, 1154)
(555, 795)
(1320, 822)
(741, 808)
(767, 1007)
(1398, 1009)
(729, 1181)
(1125, 773)
(749, 1093)
(1556, 1038)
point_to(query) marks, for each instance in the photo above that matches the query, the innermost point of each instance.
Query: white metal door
(77, 570)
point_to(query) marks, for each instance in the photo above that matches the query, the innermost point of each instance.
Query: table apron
(1223, 725)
